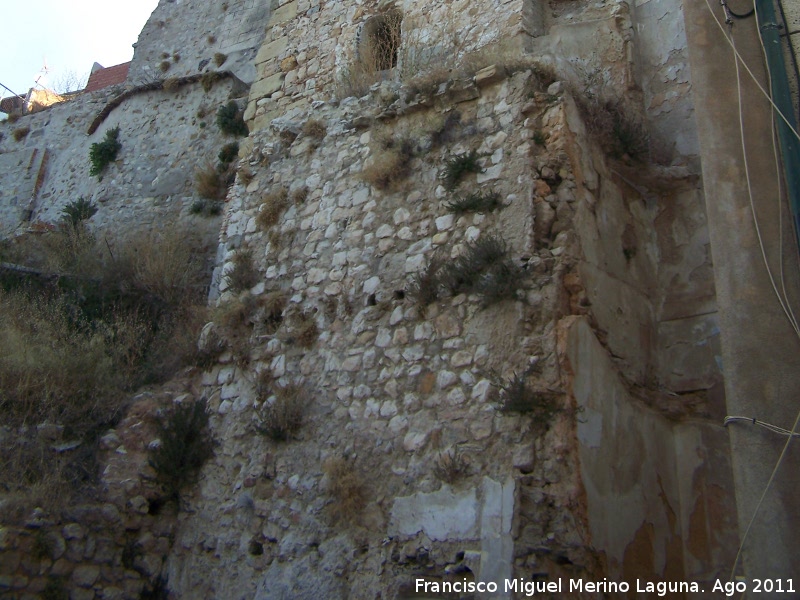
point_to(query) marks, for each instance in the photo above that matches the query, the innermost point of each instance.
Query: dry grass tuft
(451, 466)
(20, 133)
(209, 183)
(299, 195)
(315, 128)
(346, 488)
(282, 417)
(390, 164)
(272, 206)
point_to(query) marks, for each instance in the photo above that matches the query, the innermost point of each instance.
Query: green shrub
(460, 165)
(206, 208)
(77, 211)
(230, 121)
(105, 152)
(185, 445)
(227, 155)
(220, 58)
(479, 202)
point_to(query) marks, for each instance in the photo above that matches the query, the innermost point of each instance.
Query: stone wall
(391, 385)
(166, 137)
(184, 38)
(613, 327)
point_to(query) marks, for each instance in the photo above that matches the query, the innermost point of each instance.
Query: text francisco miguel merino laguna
(530, 588)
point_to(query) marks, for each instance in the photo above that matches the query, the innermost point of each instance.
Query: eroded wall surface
(183, 38)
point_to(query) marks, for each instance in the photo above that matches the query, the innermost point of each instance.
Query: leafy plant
(185, 445)
(458, 166)
(206, 208)
(78, 210)
(484, 268)
(228, 154)
(479, 202)
(105, 152)
(230, 121)
(220, 58)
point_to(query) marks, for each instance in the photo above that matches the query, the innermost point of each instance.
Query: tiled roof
(103, 78)
(8, 105)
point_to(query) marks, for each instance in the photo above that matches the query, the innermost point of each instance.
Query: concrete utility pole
(760, 349)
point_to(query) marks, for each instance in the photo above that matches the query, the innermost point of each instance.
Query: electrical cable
(754, 421)
(750, 72)
(782, 300)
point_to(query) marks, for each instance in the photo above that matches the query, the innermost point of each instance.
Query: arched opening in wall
(379, 42)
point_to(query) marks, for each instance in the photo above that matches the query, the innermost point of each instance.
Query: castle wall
(166, 137)
(183, 38)
(611, 252)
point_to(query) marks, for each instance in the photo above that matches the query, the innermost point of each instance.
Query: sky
(70, 35)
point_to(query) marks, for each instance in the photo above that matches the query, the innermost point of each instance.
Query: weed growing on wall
(243, 275)
(185, 445)
(281, 413)
(390, 164)
(20, 133)
(101, 154)
(451, 466)
(227, 155)
(484, 268)
(272, 206)
(78, 211)
(346, 488)
(517, 396)
(456, 167)
(479, 202)
(230, 121)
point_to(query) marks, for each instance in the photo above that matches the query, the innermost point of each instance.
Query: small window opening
(380, 41)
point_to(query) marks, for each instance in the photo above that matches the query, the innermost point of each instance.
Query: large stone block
(267, 87)
(271, 50)
(287, 12)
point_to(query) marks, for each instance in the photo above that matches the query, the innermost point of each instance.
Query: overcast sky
(71, 35)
